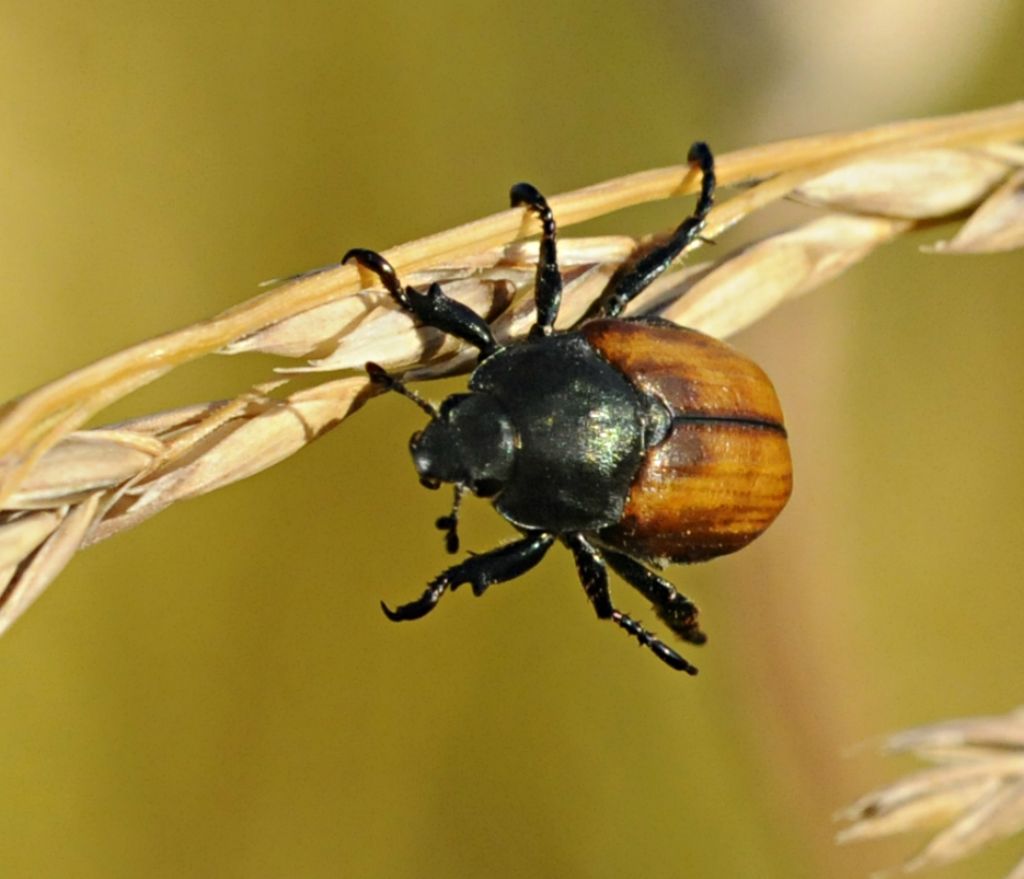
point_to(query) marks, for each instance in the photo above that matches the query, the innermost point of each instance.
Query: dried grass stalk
(975, 789)
(61, 489)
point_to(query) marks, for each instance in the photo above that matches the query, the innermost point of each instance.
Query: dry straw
(63, 488)
(975, 788)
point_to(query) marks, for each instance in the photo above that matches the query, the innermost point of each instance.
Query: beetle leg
(627, 284)
(594, 578)
(433, 308)
(673, 608)
(548, 286)
(480, 571)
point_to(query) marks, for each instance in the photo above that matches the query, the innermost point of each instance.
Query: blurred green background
(217, 693)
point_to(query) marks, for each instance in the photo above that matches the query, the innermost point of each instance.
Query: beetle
(633, 441)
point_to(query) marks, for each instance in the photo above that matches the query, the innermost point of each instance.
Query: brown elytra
(723, 473)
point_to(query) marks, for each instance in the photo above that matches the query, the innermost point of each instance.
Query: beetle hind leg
(594, 578)
(633, 279)
(671, 606)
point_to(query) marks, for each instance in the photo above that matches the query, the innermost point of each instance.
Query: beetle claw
(695, 636)
(412, 611)
(389, 613)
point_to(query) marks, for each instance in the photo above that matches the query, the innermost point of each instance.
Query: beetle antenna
(450, 523)
(379, 377)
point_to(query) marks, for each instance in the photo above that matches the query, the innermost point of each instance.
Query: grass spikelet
(975, 788)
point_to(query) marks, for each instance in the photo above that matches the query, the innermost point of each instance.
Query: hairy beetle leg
(672, 607)
(660, 649)
(594, 577)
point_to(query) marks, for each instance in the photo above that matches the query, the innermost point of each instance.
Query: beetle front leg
(480, 571)
(548, 286)
(626, 285)
(433, 308)
(594, 578)
(671, 606)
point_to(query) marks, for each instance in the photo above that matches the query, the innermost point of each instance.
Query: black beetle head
(471, 442)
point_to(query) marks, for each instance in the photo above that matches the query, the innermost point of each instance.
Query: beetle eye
(486, 487)
(430, 482)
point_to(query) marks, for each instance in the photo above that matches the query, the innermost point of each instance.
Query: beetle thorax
(578, 433)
